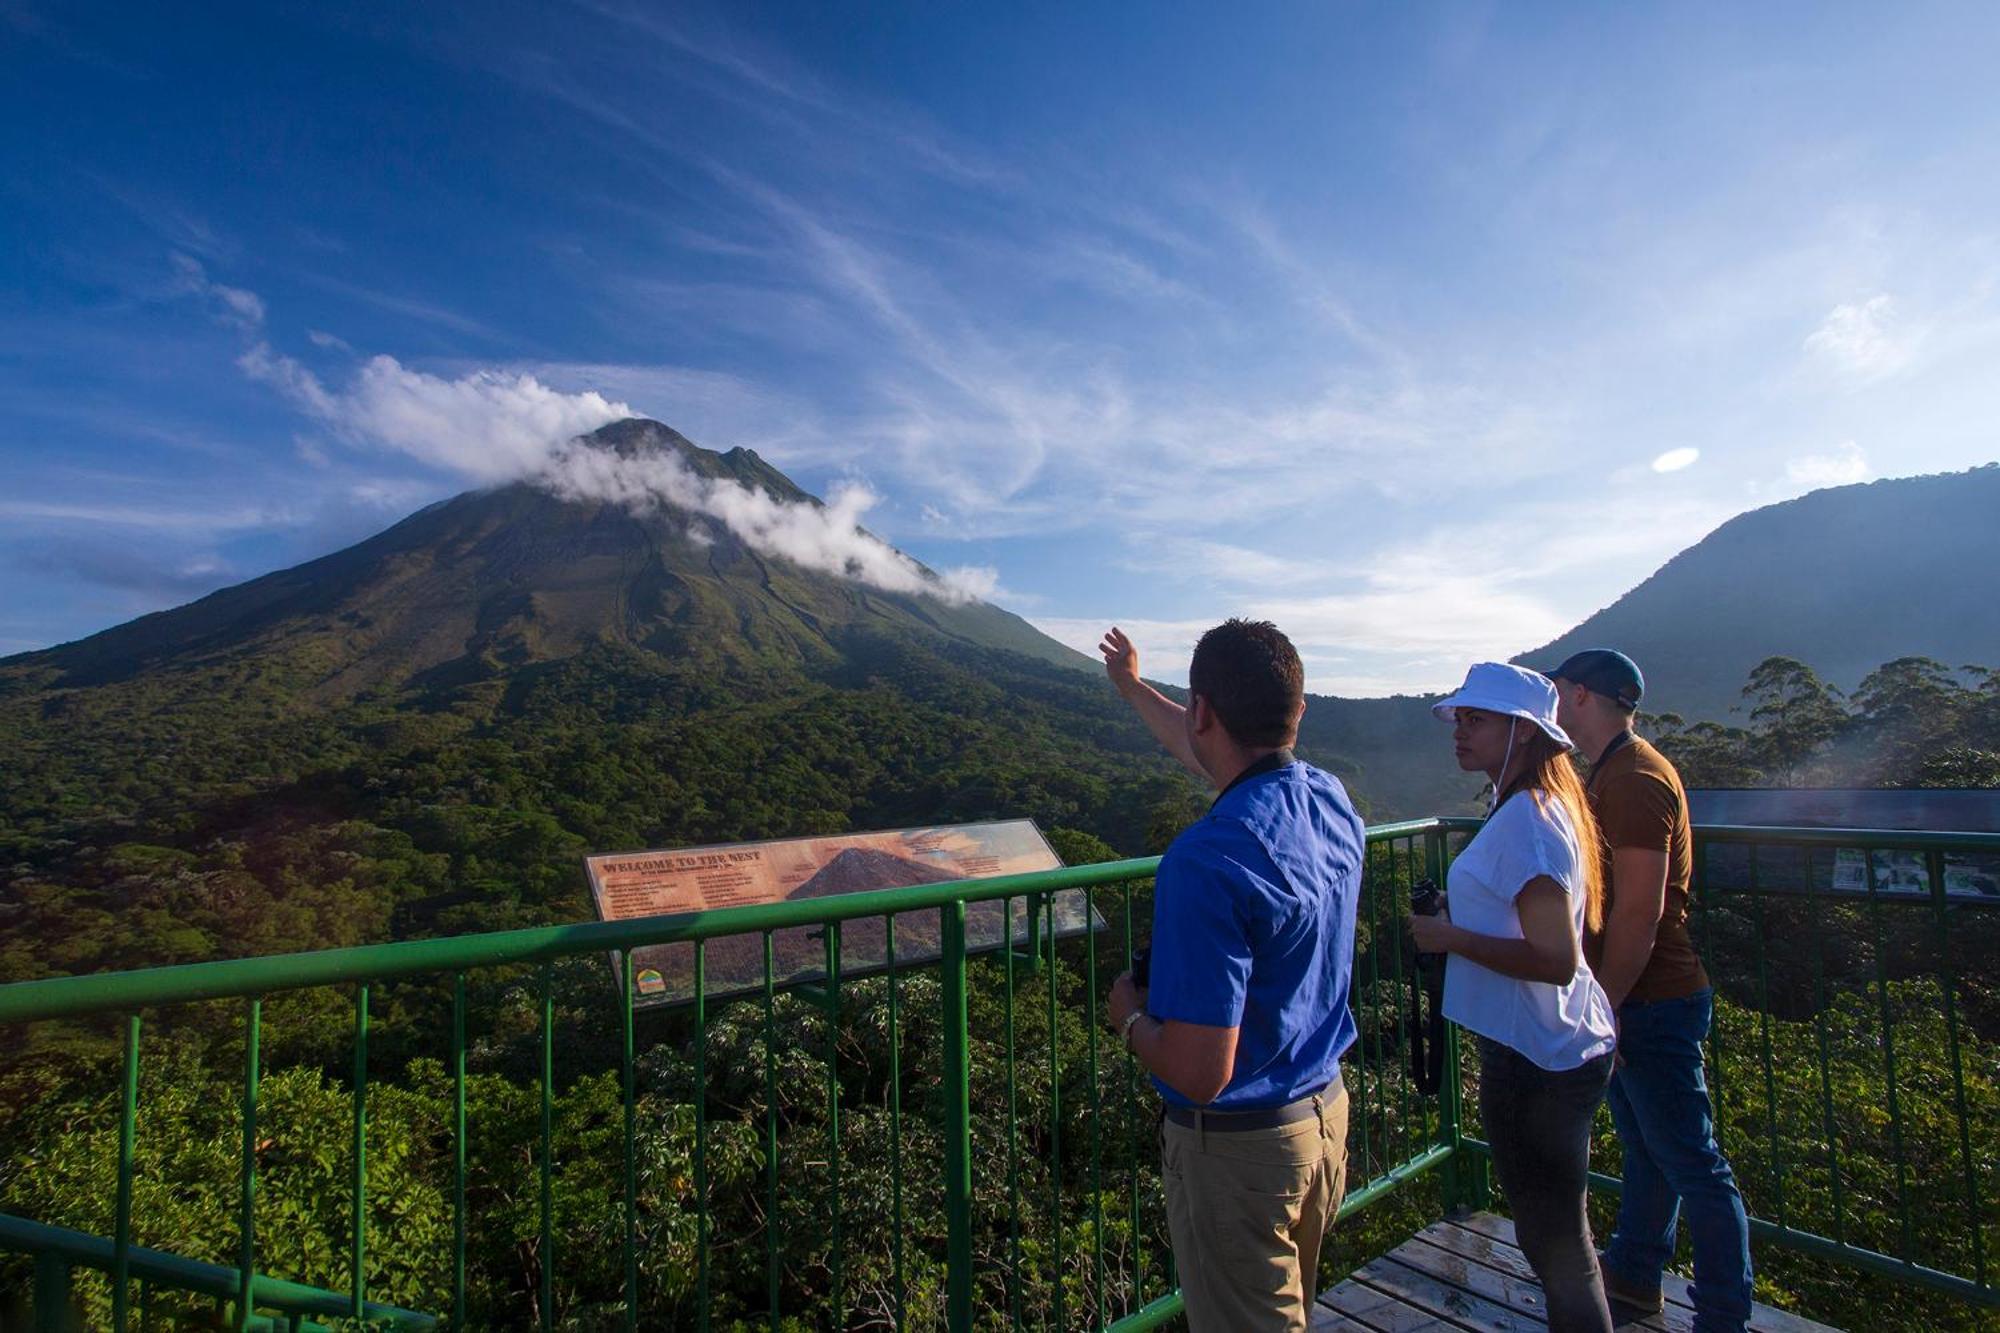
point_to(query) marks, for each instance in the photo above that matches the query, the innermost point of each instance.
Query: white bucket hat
(1497, 687)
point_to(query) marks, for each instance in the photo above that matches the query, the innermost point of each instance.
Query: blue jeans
(1659, 1102)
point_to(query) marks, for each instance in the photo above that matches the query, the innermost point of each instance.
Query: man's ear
(1201, 716)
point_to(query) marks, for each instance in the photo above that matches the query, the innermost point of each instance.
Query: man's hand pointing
(1121, 660)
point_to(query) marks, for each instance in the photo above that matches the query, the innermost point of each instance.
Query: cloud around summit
(492, 426)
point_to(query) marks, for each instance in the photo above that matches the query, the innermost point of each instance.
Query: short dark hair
(1251, 676)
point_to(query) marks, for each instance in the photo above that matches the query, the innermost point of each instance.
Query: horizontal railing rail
(156, 1268)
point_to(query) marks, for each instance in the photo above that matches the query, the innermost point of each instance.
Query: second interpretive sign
(693, 879)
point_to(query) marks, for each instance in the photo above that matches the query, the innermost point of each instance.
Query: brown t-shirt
(1639, 802)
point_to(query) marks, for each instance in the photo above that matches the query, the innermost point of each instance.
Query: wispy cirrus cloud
(1866, 340)
(494, 426)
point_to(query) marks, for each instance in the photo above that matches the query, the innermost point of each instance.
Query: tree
(1706, 754)
(1909, 709)
(1795, 715)
(1957, 767)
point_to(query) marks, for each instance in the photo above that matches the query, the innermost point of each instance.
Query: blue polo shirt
(1253, 928)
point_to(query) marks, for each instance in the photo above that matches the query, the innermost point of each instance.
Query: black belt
(1263, 1117)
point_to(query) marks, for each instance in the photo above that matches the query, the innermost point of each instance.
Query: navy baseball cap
(1606, 672)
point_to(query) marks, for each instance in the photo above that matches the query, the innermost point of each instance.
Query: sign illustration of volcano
(859, 869)
(660, 883)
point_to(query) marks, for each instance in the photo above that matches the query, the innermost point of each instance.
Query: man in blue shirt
(1247, 1015)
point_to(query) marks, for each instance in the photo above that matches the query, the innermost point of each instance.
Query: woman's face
(1479, 738)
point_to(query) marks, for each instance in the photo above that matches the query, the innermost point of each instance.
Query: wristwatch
(1125, 1028)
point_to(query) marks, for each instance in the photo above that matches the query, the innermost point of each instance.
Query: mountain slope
(1843, 579)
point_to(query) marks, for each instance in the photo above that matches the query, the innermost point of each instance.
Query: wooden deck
(1465, 1275)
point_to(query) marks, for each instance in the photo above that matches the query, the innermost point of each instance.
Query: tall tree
(1706, 754)
(1909, 710)
(1794, 714)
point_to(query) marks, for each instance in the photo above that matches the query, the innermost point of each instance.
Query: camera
(1142, 967)
(1427, 1034)
(1426, 899)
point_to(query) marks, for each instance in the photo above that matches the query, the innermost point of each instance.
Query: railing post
(52, 1309)
(128, 1120)
(1466, 1179)
(957, 1123)
(246, 1227)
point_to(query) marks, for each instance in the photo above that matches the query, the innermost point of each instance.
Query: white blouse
(1557, 1027)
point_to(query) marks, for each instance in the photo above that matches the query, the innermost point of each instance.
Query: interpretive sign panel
(694, 879)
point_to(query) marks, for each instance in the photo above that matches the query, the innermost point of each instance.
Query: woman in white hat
(1520, 896)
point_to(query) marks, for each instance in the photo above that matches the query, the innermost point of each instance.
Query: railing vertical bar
(246, 1228)
(1889, 1060)
(773, 1262)
(1775, 1147)
(701, 1133)
(1090, 1028)
(548, 1237)
(1135, 1296)
(458, 1151)
(1417, 983)
(1013, 1115)
(1055, 1119)
(1377, 1072)
(1403, 997)
(1934, 865)
(51, 1299)
(1709, 929)
(627, 1061)
(1358, 1006)
(359, 1195)
(128, 1118)
(957, 1121)
(896, 1116)
(833, 1119)
(1829, 1115)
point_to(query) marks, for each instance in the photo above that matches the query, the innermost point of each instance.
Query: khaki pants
(1247, 1212)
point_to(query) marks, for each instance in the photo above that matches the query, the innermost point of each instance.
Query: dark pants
(1539, 1125)
(1673, 1166)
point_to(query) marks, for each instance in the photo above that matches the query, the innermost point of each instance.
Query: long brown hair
(1547, 774)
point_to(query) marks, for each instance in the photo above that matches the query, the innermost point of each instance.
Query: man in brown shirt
(1660, 993)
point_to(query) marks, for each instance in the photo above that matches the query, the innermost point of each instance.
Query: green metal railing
(1059, 1224)
(1799, 931)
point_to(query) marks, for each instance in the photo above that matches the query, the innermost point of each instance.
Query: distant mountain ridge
(1842, 579)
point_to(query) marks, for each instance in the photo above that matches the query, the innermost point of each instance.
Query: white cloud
(233, 305)
(1673, 460)
(1236, 565)
(1868, 341)
(1844, 466)
(828, 538)
(487, 425)
(240, 519)
(494, 426)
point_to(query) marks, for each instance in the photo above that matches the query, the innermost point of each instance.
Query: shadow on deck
(1465, 1275)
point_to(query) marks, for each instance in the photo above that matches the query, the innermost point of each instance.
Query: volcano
(493, 580)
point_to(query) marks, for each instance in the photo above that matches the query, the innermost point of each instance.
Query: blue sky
(1424, 330)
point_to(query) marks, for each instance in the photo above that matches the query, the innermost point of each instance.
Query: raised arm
(1162, 716)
